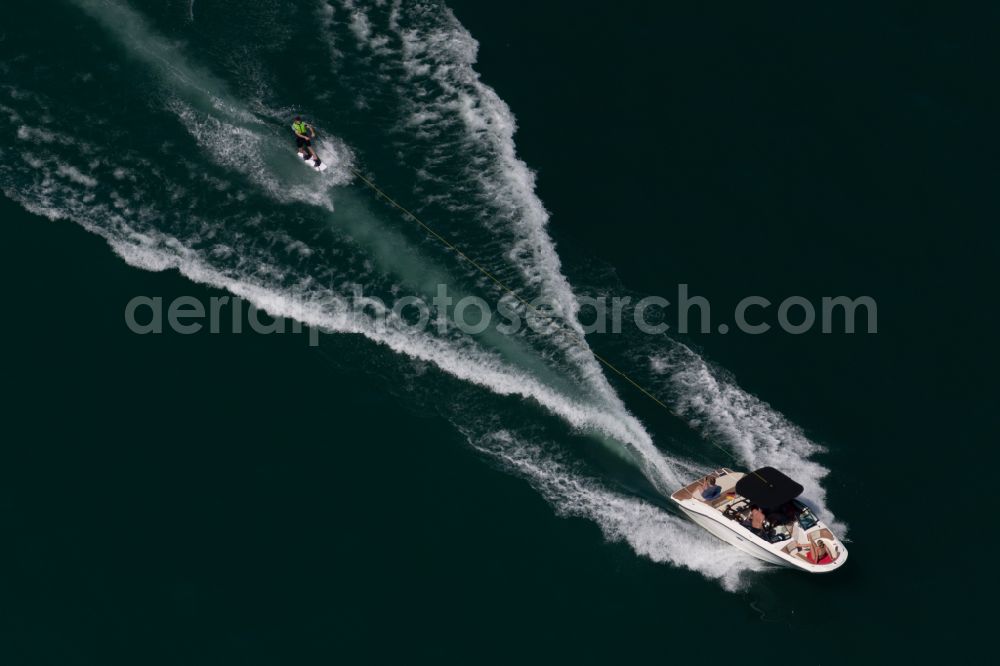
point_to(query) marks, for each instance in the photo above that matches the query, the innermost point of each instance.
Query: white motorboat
(759, 514)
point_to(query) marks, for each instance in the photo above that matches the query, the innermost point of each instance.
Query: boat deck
(725, 478)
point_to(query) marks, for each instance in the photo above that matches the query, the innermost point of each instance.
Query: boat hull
(732, 537)
(736, 535)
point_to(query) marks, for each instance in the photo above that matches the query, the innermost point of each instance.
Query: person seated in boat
(708, 489)
(756, 521)
(819, 554)
(778, 517)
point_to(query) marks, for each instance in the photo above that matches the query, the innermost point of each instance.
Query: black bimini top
(768, 488)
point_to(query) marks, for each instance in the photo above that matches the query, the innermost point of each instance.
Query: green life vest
(299, 127)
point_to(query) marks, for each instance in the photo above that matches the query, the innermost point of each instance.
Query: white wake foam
(649, 530)
(434, 45)
(723, 412)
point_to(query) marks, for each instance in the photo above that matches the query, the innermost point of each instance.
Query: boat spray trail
(209, 186)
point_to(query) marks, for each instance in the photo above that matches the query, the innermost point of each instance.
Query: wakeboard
(311, 162)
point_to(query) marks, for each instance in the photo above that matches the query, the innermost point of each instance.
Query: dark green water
(241, 498)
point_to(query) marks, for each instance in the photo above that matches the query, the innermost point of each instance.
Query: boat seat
(728, 481)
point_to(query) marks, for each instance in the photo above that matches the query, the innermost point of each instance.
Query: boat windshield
(806, 517)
